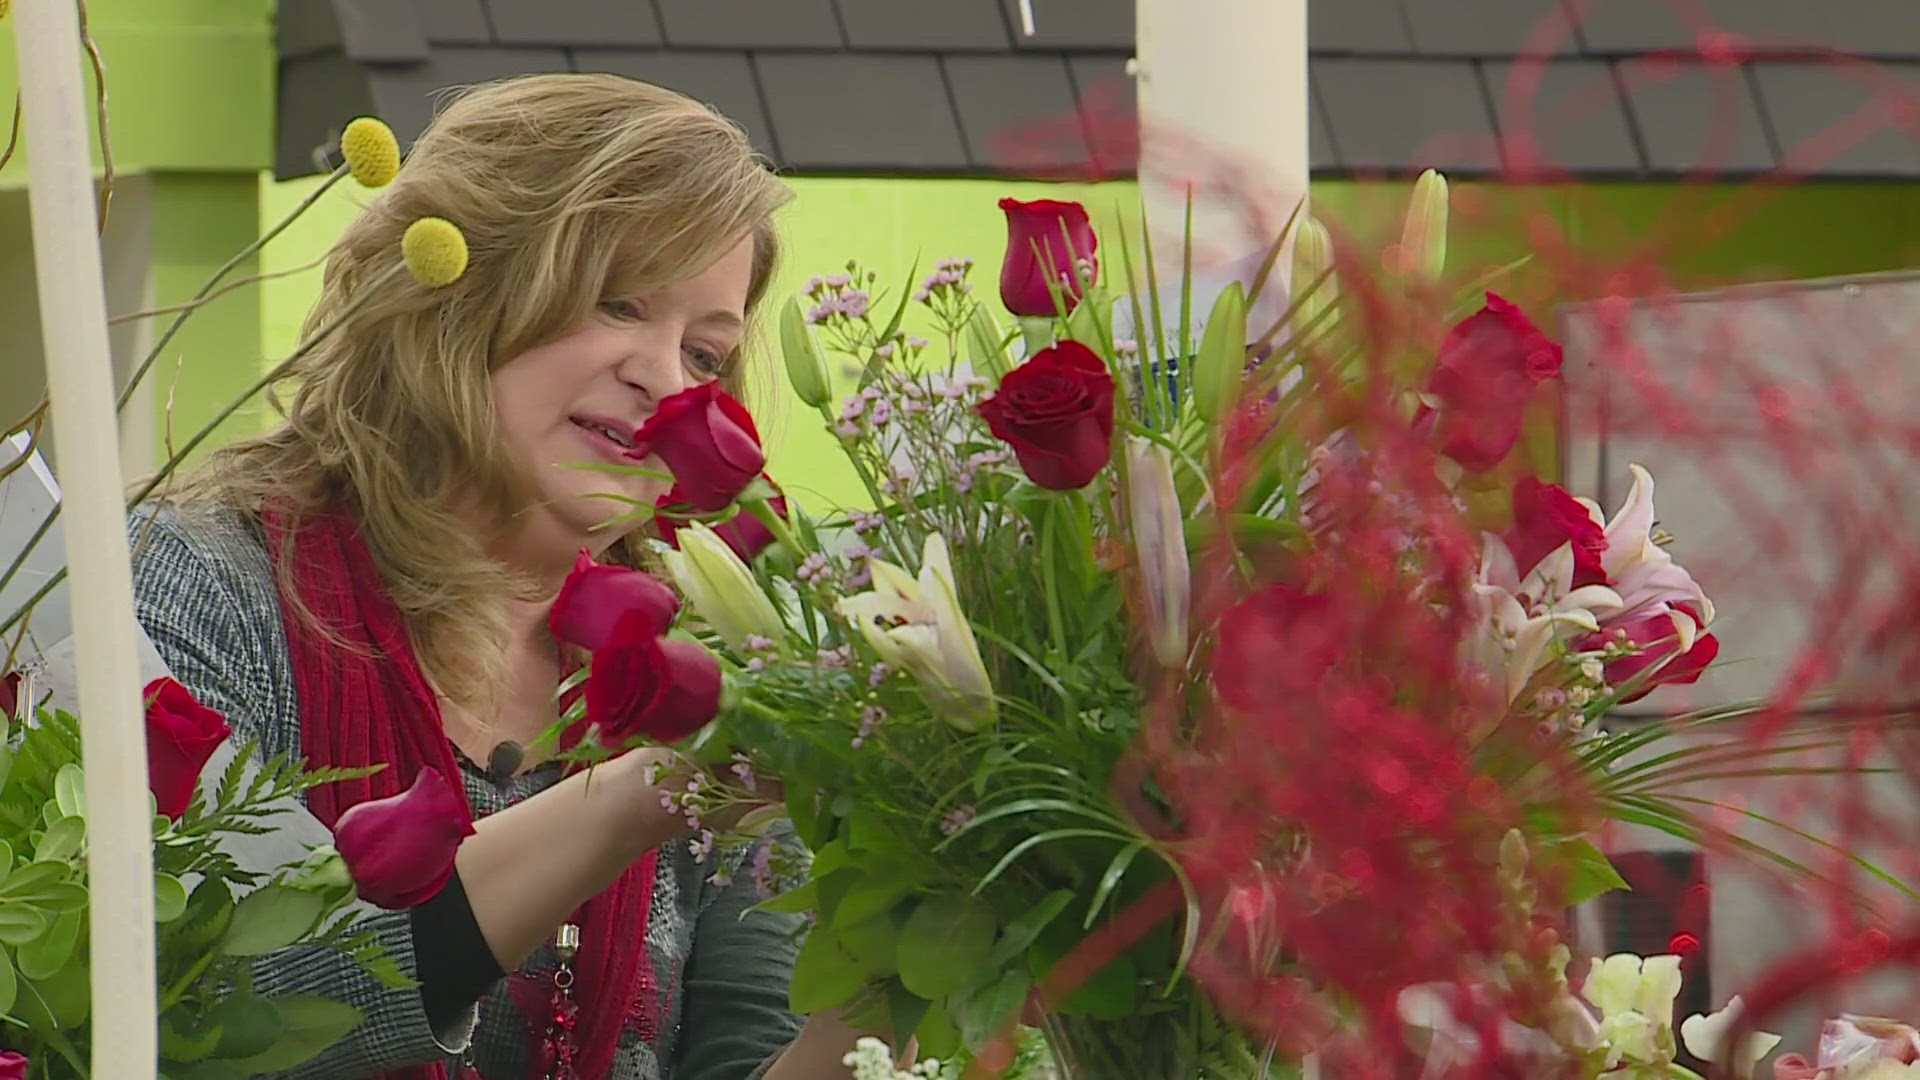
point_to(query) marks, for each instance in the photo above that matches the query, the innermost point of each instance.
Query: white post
(73, 325)
(1224, 105)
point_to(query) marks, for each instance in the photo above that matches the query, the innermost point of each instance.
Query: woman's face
(577, 399)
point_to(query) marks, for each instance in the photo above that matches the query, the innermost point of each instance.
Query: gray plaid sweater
(204, 590)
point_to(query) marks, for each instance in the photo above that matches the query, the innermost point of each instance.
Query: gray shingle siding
(954, 87)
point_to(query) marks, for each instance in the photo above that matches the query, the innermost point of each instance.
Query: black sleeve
(455, 964)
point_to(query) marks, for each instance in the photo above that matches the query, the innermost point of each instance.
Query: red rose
(1488, 368)
(13, 1066)
(400, 849)
(707, 441)
(1061, 233)
(745, 533)
(1274, 645)
(181, 735)
(1056, 411)
(1658, 637)
(1545, 516)
(10, 697)
(647, 685)
(595, 598)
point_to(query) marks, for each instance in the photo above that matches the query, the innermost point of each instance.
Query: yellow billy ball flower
(436, 252)
(372, 153)
(5, 7)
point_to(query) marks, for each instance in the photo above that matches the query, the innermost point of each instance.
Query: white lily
(1635, 998)
(1160, 543)
(1706, 1038)
(917, 626)
(721, 588)
(1519, 618)
(1642, 572)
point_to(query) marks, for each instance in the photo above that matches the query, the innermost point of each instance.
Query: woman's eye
(706, 361)
(624, 310)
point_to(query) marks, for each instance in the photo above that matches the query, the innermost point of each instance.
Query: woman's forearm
(527, 868)
(819, 1051)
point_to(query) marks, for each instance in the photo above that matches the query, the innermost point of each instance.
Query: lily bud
(721, 588)
(806, 367)
(916, 626)
(1423, 239)
(1160, 544)
(1222, 361)
(984, 345)
(1312, 257)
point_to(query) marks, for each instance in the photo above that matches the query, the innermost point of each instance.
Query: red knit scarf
(369, 704)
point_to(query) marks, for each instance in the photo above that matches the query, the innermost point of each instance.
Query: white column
(1224, 106)
(73, 325)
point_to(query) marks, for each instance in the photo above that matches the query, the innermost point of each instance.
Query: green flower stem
(174, 993)
(219, 418)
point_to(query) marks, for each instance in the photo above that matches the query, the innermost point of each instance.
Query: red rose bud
(596, 598)
(400, 849)
(181, 735)
(745, 533)
(10, 694)
(643, 685)
(1545, 516)
(1659, 639)
(1061, 234)
(13, 1066)
(1056, 411)
(707, 440)
(1488, 368)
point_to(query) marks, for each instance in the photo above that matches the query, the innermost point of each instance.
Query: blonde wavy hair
(571, 189)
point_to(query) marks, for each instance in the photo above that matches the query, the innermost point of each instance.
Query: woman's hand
(826, 1038)
(527, 868)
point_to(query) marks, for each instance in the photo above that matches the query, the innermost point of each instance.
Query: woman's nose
(653, 366)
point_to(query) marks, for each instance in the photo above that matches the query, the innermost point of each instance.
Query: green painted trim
(190, 84)
(199, 222)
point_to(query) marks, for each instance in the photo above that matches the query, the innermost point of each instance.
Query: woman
(369, 583)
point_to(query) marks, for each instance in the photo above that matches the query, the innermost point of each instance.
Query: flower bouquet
(1174, 695)
(213, 916)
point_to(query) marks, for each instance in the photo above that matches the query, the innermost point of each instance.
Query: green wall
(1817, 230)
(190, 102)
(190, 83)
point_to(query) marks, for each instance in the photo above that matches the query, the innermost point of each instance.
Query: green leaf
(6, 764)
(1221, 364)
(312, 1025)
(43, 957)
(793, 901)
(982, 1015)
(20, 923)
(1021, 932)
(1112, 993)
(6, 859)
(62, 840)
(9, 983)
(169, 898)
(873, 895)
(70, 790)
(177, 1046)
(826, 975)
(937, 1036)
(269, 918)
(1111, 878)
(31, 879)
(59, 1003)
(944, 942)
(905, 1011)
(1588, 873)
(875, 943)
(248, 1024)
